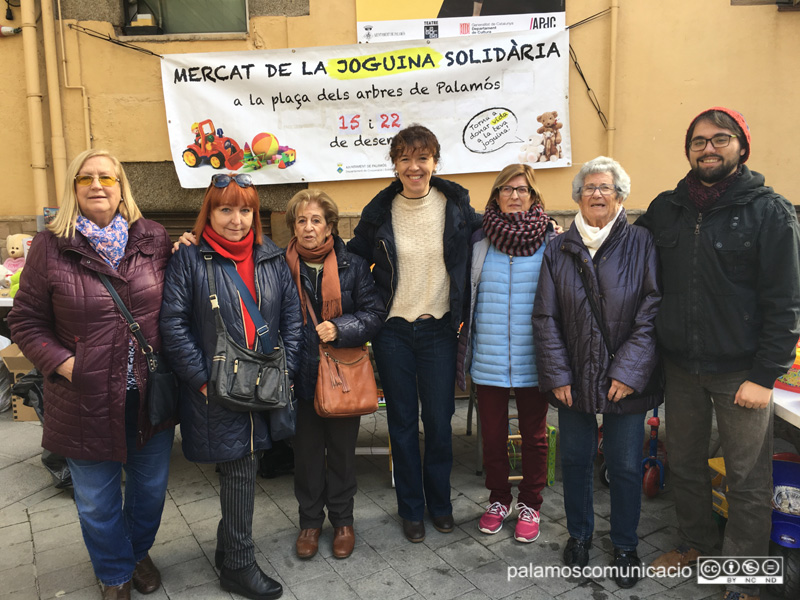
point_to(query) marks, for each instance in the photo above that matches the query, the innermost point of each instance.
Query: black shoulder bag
(655, 385)
(162, 385)
(241, 379)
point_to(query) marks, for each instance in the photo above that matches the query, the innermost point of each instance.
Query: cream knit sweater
(423, 285)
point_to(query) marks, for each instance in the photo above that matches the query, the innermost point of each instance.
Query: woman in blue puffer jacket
(497, 349)
(228, 229)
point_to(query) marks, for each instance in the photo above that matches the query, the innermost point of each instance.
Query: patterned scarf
(331, 288)
(110, 241)
(704, 196)
(516, 234)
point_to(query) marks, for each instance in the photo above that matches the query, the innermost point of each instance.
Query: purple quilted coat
(62, 309)
(569, 346)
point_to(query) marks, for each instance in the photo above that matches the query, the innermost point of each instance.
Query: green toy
(14, 283)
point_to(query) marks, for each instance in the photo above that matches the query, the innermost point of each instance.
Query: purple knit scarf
(704, 196)
(515, 234)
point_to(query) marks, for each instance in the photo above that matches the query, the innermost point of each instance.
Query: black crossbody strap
(592, 304)
(136, 330)
(212, 290)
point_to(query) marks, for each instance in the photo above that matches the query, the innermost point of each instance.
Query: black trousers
(237, 482)
(320, 483)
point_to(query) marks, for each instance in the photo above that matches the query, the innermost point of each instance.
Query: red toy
(211, 145)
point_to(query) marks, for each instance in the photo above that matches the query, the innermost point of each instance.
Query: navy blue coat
(373, 239)
(210, 432)
(569, 345)
(362, 316)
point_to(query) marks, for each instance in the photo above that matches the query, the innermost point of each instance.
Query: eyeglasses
(523, 191)
(720, 140)
(87, 180)
(605, 190)
(221, 180)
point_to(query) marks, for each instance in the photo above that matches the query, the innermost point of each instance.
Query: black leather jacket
(362, 316)
(731, 280)
(373, 239)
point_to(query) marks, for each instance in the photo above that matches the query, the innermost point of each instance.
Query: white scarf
(593, 237)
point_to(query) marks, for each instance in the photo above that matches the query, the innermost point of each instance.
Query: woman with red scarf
(228, 229)
(496, 345)
(339, 288)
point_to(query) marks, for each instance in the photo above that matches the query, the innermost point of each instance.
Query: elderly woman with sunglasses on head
(67, 324)
(339, 288)
(594, 328)
(228, 229)
(496, 345)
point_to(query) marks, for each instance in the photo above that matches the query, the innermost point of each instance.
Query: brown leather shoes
(414, 531)
(344, 538)
(146, 576)
(308, 542)
(117, 592)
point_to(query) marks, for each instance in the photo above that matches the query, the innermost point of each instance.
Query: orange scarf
(331, 289)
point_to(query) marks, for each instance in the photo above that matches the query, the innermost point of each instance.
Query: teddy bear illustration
(532, 151)
(551, 134)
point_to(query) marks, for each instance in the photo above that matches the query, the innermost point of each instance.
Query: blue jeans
(623, 436)
(119, 535)
(417, 365)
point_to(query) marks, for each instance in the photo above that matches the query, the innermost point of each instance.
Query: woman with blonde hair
(67, 324)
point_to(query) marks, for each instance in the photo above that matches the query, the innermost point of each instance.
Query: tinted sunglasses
(86, 180)
(222, 180)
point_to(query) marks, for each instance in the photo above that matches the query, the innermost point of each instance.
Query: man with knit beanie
(729, 250)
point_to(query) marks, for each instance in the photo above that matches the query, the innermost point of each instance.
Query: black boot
(576, 553)
(628, 567)
(219, 552)
(250, 582)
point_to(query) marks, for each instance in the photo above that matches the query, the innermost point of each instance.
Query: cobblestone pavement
(42, 554)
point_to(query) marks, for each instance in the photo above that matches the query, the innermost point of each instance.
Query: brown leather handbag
(345, 381)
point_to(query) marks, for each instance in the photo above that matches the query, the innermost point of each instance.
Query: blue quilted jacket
(502, 338)
(210, 432)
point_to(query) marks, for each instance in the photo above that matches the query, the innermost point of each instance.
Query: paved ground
(42, 553)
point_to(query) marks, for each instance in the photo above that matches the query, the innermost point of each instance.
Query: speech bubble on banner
(490, 130)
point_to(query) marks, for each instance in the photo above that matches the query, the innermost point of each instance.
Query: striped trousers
(237, 482)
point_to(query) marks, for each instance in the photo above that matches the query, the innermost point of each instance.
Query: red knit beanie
(744, 138)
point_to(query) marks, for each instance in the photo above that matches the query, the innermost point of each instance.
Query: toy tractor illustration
(212, 146)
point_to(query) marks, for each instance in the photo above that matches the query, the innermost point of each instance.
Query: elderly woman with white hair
(594, 330)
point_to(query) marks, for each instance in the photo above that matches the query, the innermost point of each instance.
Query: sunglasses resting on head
(222, 180)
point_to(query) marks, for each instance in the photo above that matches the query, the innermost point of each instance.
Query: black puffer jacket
(730, 277)
(373, 239)
(570, 349)
(363, 314)
(210, 432)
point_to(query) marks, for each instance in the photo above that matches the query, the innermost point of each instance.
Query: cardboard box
(22, 412)
(18, 365)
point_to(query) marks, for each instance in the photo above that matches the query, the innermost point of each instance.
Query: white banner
(429, 29)
(325, 114)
